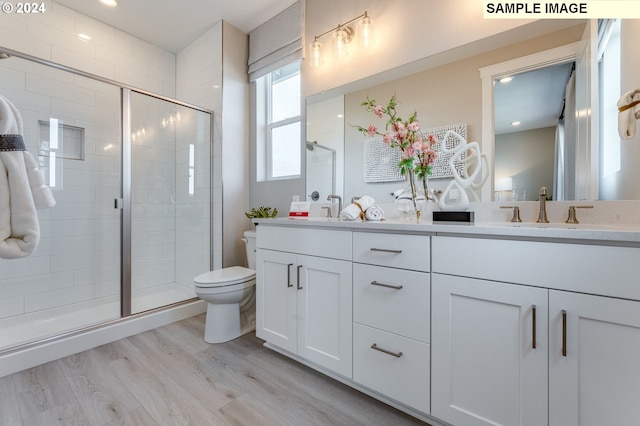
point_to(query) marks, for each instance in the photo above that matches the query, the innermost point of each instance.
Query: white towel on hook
(628, 113)
(22, 188)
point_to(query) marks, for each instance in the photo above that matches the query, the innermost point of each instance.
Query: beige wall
(528, 158)
(443, 95)
(405, 31)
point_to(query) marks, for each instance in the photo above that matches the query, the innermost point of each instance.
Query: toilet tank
(250, 241)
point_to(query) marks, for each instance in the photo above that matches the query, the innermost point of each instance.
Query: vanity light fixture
(343, 35)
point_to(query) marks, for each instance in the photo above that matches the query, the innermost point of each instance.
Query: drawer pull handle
(386, 250)
(564, 333)
(533, 315)
(289, 275)
(298, 276)
(395, 287)
(396, 354)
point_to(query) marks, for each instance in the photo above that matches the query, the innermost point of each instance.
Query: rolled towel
(628, 113)
(356, 209)
(351, 212)
(365, 202)
(374, 212)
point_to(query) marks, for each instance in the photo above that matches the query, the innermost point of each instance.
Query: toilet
(230, 295)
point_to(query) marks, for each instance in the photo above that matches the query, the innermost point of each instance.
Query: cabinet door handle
(533, 319)
(298, 276)
(388, 352)
(564, 333)
(386, 250)
(395, 287)
(289, 275)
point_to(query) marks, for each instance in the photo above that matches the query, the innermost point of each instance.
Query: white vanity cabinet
(304, 294)
(584, 369)
(486, 370)
(595, 380)
(391, 314)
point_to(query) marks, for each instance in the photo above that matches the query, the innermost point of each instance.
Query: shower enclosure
(131, 175)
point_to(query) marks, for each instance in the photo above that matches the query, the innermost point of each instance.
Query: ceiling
(535, 98)
(173, 24)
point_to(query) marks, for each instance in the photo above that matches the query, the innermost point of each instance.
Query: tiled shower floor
(27, 328)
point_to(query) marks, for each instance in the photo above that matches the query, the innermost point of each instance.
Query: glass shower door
(72, 280)
(170, 200)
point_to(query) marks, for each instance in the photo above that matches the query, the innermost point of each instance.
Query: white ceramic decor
(462, 189)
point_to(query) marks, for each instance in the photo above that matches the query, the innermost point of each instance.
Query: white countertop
(587, 233)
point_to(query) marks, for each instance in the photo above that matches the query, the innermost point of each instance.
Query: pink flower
(414, 126)
(430, 156)
(387, 138)
(408, 152)
(432, 140)
(372, 130)
(378, 111)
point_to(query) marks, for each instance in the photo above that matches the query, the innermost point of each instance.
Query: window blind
(277, 42)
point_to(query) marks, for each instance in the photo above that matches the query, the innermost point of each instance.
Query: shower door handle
(117, 203)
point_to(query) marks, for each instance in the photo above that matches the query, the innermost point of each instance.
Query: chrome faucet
(331, 197)
(542, 216)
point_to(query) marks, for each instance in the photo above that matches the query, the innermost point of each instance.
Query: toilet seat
(225, 277)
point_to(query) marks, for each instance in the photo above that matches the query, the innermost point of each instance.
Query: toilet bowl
(230, 296)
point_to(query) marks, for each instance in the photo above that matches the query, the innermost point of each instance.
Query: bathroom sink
(324, 219)
(579, 226)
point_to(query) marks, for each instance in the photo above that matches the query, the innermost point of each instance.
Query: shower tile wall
(78, 259)
(65, 269)
(110, 53)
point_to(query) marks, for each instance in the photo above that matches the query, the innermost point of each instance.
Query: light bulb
(316, 53)
(366, 32)
(340, 43)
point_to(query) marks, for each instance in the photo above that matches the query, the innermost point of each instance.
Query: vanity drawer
(396, 250)
(403, 311)
(404, 378)
(331, 243)
(584, 268)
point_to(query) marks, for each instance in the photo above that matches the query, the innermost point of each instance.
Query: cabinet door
(276, 298)
(485, 370)
(597, 381)
(325, 313)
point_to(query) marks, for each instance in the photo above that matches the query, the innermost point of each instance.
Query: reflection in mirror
(534, 129)
(321, 171)
(618, 174)
(325, 148)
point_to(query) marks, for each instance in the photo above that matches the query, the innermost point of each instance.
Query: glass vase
(411, 202)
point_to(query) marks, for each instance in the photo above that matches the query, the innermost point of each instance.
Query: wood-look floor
(170, 376)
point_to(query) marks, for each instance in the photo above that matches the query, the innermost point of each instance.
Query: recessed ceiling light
(507, 79)
(110, 3)
(515, 123)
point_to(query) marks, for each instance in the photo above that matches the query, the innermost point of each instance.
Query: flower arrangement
(417, 149)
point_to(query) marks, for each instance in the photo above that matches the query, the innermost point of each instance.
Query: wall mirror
(341, 100)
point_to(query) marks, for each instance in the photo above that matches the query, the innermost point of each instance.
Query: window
(282, 100)
(609, 90)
